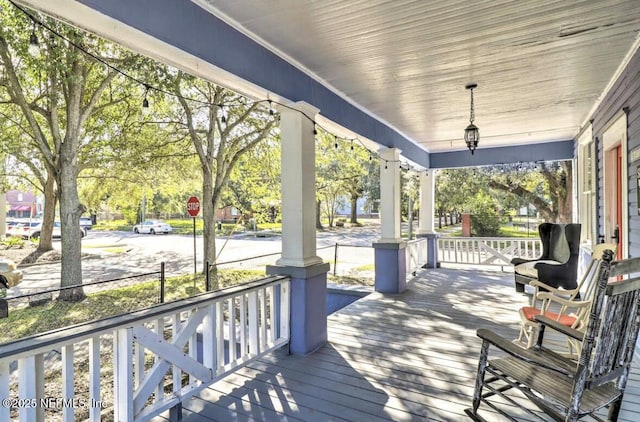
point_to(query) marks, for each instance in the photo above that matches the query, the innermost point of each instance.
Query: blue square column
(308, 321)
(391, 267)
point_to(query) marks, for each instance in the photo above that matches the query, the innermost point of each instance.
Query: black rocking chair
(560, 387)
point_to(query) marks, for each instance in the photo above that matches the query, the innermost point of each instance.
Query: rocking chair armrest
(538, 356)
(573, 304)
(552, 323)
(545, 287)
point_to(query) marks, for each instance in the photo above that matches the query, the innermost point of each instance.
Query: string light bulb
(270, 109)
(385, 164)
(146, 110)
(335, 138)
(352, 145)
(223, 119)
(34, 44)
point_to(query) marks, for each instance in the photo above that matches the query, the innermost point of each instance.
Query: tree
(58, 93)
(547, 186)
(330, 188)
(139, 158)
(354, 175)
(254, 186)
(371, 184)
(222, 126)
(340, 176)
(455, 189)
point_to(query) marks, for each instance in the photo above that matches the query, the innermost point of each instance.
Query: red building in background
(23, 204)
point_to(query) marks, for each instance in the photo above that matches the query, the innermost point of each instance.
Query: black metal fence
(43, 296)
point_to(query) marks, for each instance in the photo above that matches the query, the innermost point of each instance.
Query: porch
(410, 356)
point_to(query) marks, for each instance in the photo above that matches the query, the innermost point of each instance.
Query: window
(587, 186)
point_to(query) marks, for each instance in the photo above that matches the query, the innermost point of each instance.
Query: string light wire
(149, 87)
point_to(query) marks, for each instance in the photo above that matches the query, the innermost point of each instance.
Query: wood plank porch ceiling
(541, 65)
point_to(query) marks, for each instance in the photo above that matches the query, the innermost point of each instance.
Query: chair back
(613, 326)
(560, 242)
(589, 279)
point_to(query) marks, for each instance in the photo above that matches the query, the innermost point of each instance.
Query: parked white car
(152, 227)
(86, 223)
(57, 230)
(26, 229)
(33, 229)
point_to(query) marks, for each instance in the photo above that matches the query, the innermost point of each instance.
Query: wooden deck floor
(407, 357)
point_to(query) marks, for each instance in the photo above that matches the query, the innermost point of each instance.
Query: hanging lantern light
(471, 133)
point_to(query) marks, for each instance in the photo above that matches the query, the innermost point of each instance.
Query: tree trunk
(354, 209)
(45, 243)
(565, 199)
(318, 213)
(70, 212)
(210, 223)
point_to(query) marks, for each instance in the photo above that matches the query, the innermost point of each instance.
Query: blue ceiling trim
(185, 25)
(548, 151)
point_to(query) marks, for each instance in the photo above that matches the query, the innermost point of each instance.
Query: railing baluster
(31, 386)
(193, 352)
(176, 373)
(94, 380)
(68, 383)
(208, 340)
(122, 374)
(219, 335)
(231, 304)
(5, 411)
(159, 329)
(284, 310)
(263, 318)
(254, 347)
(272, 313)
(243, 324)
(138, 364)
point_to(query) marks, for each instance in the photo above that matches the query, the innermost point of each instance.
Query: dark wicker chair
(561, 387)
(558, 264)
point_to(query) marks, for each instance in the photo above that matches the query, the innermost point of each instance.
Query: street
(143, 253)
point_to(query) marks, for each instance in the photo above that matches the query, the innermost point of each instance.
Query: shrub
(485, 220)
(13, 242)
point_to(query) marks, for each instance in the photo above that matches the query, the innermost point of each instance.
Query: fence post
(335, 259)
(4, 308)
(162, 280)
(207, 284)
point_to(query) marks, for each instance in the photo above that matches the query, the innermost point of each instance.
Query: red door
(617, 234)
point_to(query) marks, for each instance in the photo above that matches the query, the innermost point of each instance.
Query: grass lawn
(30, 320)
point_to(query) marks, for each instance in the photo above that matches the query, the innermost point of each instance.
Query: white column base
(301, 263)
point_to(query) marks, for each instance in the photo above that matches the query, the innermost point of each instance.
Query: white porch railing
(417, 252)
(160, 355)
(486, 250)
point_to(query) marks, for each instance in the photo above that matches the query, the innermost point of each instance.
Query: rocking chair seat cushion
(528, 269)
(530, 313)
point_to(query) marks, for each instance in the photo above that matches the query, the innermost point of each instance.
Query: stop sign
(193, 206)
